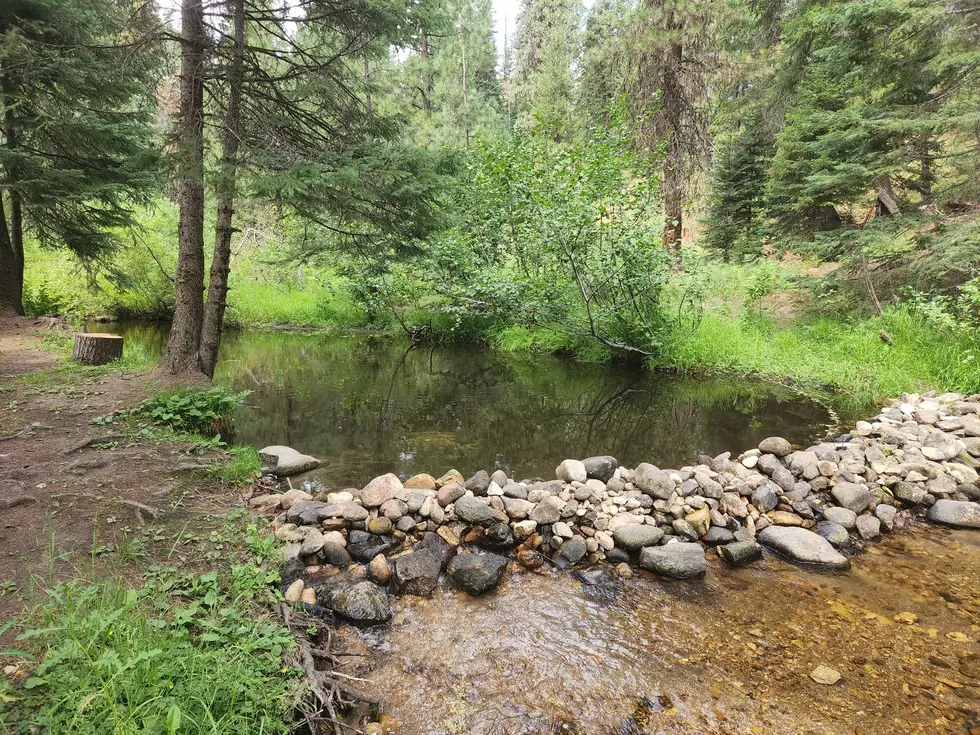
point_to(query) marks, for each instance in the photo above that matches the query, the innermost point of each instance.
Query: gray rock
(499, 477)
(416, 573)
(653, 481)
(405, 524)
(678, 560)
(601, 468)
(285, 461)
(364, 546)
(741, 553)
(473, 511)
(886, 514)
(476, 573)
(852, 496)
(571, 470)
(775, 445)
(572, 551)
(909, 493)
(517, 508)
(784, 478)
(478, 484)
(306, 512)
(449, 494)
(764, 498)
(684, 529)
(362, 603)
(768, 463)
(515, 490)
(868, 527)
(312, 543)
(548, 510)
(394, 509)
(335, 554)
(835, 533)
(939, 446)
(841, 516)
(718, 535)
(960, 513)
(354, 512)
(803, 546)
(381, 489)
(635, 537)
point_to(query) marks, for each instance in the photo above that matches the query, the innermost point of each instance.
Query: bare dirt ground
(64, 503)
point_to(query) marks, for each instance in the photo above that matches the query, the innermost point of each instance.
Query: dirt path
(64, 504)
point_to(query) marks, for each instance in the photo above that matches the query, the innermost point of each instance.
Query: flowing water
(730, 654)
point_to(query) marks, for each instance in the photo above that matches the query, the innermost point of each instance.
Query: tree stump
(97, 349)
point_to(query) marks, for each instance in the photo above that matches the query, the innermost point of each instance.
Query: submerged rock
(477, 573)
(572, 551)
(803, 546)
(960, 513)
(284, 461)
(363, 603)
(678, 560)
(741, 553)
(416, 573)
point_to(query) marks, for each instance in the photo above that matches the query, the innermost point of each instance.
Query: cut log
(97, 349)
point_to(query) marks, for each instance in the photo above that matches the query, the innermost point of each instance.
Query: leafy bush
(191, 411)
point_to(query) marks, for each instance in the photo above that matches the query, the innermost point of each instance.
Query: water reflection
(369, 404)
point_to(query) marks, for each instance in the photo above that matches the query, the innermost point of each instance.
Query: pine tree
(603, 47)
(76, 104)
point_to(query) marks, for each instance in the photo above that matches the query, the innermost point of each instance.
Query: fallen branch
(92, 440)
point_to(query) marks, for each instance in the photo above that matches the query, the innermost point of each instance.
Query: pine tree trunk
(214, 308)
(181, 355)
(672, 102)
(11, 270)
(97, 349)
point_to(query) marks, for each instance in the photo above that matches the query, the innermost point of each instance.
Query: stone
(494, 490)
(601, 468)
(450, 478)
(718, 535)
(499, 536)
(803, 546)
(416, 573)
(841, 516)
(285, 461)
(379, 526)
(309, 596)
(294, 592)
(571, 470)
(775, 445)
(312, 543)
(499, 477)
(354, 512)
(381, 489)
(449, 494)
(529, 558)
(340, 498)
(362, 603)
(562, 530)
(421, 482)
(835, 533)
(379, 569)
(335, 554)
(394, 509)
(478, 484)
(653, 481)
(515, 490)
(677, 560)
(365, 546)
(439, 545)
(473, 511)
(784, 518)
(306, 512)
(476, 574)
(548, 510)
(960, 513)
(405, 524)
(939, 447)
(740, 553)
(909, 493)
(886, 514)
(852, 496)
(684, 529)
(868, 527)
(415, 500)
(764, 498)
(572, 551)
(517, 508)
(636, 537)
(825, 675)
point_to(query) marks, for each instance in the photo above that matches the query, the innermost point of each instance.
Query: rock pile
(810, 505)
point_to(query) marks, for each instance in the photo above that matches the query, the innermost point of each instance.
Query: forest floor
(75, 494)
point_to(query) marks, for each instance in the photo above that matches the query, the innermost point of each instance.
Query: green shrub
(190, 411)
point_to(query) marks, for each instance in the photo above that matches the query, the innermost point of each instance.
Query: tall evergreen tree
(603, 47)
(76, 104)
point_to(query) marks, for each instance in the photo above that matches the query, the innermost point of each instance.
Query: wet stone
(416, 573)
(803, 546)
(600, 468)
(478, 483)
(473, 511)
(476, 574)
(740, 553)
(636, 537)
(363, 603)
(835, 533)
(677, 560)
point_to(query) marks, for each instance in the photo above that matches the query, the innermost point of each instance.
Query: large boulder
(285, 461)
(417, 573)
(476, 573)
(380, 490)
(636, 537)
(473, 511)
(677, 560)
(601, 468)
(961, 513)
(362, 603)
(803, 546)
(653, 481)
(775, 445)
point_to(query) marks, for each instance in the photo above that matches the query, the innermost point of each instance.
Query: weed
(191, 411)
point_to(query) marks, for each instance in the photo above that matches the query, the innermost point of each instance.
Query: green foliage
(243, 467)
(190, 411)
(185, 654)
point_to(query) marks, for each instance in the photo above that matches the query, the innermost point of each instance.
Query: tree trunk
(214, 308)
(97, 349)
(181, 355)
(672, 103)
(466, 105)
(12, 233)
(11, 270)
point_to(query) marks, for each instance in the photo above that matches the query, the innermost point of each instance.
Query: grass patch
(185, 654)
(136, 356)
(257, 304)
(243, 466)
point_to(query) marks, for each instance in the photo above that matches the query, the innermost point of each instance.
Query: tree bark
(12, 233)
(182, 353)
(97, 349)
(672, 103)
(214, 308)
